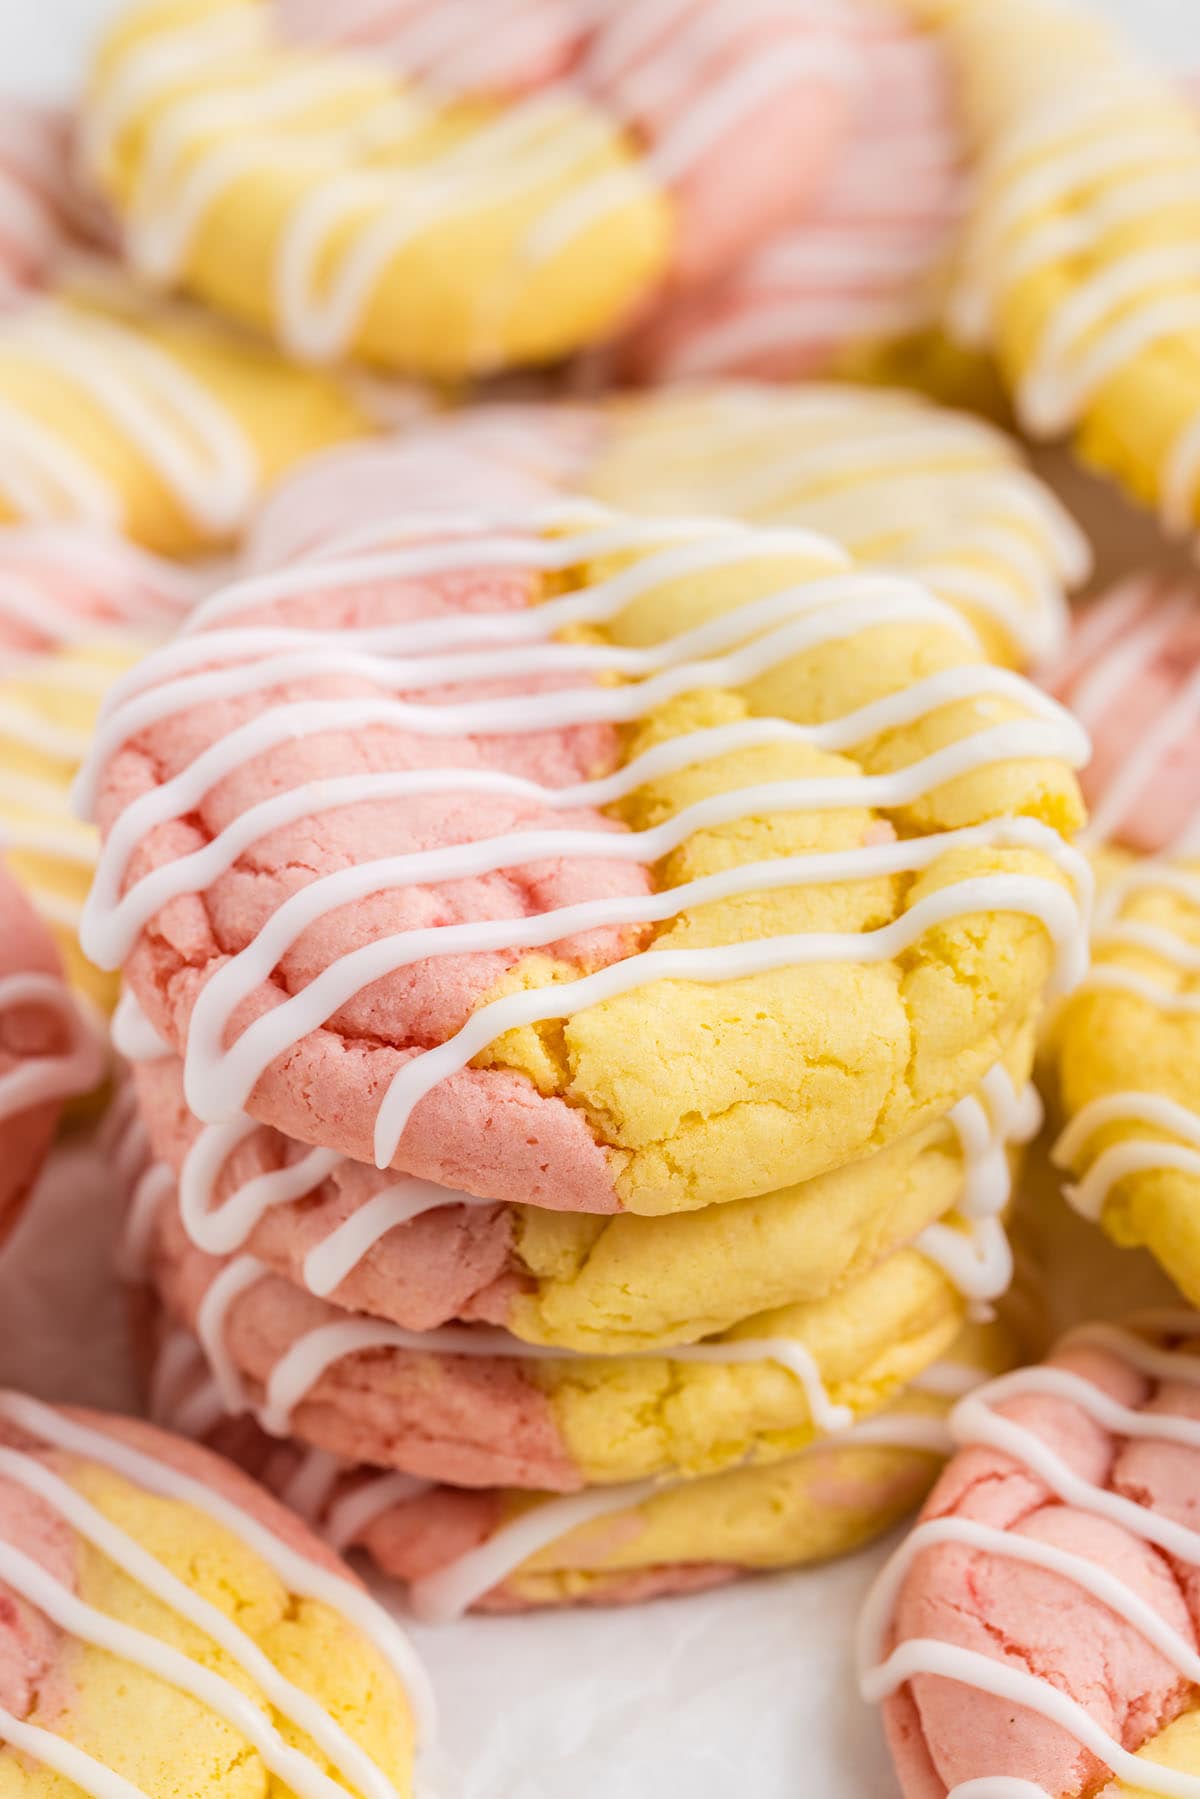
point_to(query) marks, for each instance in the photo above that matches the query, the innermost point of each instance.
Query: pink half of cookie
(476, 1420)
(46, 1052)
(33, 184)
(33, 1668)
(61, 583)
(1131, 673)
(1037, 1620)
(485, 459)
(491, 1124)
(453, 1261)
(856, 267)
(739, 110)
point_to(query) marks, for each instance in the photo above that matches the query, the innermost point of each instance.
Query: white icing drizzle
(979, 1260)
(974, 1421)
(854, 269)
(172, 420)
(822, 610)
(138, 591)
(299, 1573)
(38, 1079)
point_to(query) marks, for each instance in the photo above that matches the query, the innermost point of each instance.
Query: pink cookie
(33, 192)
(60, 583)
(1040, 1624)
(484, 459)
(740, 112)
(858, 266)
(1131, 674)
(47, 1051)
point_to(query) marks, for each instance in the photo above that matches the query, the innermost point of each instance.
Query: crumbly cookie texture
(521, 240)
(673, 1094)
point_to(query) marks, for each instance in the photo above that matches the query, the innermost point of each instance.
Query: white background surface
(747, 1691)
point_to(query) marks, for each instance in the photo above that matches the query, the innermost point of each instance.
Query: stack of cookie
(582, 973)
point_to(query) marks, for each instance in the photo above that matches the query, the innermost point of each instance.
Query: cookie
(149, 420)
(829, 976)
(1126, 1064)
(421, 1256)
(501, 1551)
(348, 211)
(864, 265)
(170, 1628)
(33, 163)
(1131, 675)
(49, 1052)
(737, 114)
(912, 487)
(1078, 271)
(904, 485)
(1035, 1633)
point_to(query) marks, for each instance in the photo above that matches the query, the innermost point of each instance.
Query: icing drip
(729, 650)
(975, 1421)
(168, 417)
(979, 1261)
(300, 1771)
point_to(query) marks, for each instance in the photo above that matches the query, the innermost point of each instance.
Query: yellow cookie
(1080, 269)
(1126, 1054)
(150, 419)
(349, 212)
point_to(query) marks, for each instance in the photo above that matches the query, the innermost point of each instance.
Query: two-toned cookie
(168, 1627)
(447, 199)
(459, 1549)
